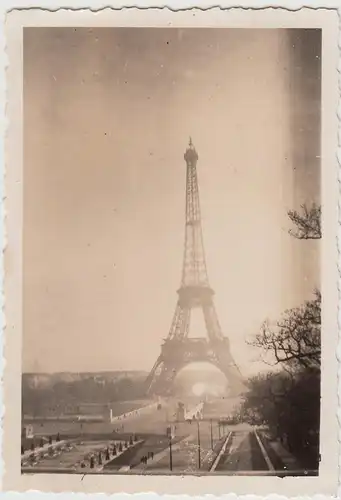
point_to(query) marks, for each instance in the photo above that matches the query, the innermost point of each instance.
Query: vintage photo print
(171, 267)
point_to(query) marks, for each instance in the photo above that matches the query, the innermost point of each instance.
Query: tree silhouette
(307, 223)
(288, 401)
(290, 408)
(294, 340)
(262, 400)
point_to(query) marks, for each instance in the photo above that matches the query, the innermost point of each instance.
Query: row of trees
(64, 396)
(287, 399)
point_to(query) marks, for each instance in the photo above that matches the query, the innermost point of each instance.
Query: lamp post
(169, 432)
(211, 435)
(199, 450)
(170, 454)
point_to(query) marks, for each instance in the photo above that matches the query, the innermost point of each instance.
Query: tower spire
(194, 270)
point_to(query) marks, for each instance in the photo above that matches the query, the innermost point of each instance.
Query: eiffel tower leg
(153, 375)
(211, 321)
(162, 378)
(180, 323)
(227, 365)
(236, 386)
(169, 362)
(166, 378)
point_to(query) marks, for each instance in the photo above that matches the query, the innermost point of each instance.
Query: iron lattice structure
(179, 349)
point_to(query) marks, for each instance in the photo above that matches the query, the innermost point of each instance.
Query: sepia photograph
(172, 251)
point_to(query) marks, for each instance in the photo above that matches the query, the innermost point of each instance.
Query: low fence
(43, 450)
(134, 413)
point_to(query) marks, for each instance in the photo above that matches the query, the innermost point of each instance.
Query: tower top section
(191, 156)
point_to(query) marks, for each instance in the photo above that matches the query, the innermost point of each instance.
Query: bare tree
(307, 223)
(287, 401)
(295, 340)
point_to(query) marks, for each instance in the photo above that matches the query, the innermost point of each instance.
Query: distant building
(27, 432)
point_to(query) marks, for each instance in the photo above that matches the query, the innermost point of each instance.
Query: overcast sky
(107, 117)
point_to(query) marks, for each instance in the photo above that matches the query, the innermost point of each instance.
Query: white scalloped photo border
(122, 485)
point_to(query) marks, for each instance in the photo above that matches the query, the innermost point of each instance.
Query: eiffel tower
(179, 350)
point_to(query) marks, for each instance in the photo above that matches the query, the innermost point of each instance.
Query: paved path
(185, 455)
(221, 453)
(162, 459)
(243, 454)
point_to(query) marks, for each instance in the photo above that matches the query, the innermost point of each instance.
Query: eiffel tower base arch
(176, 354)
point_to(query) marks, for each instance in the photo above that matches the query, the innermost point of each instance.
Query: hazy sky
(107, 117)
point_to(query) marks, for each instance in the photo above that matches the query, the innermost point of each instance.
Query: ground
(197, 446)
